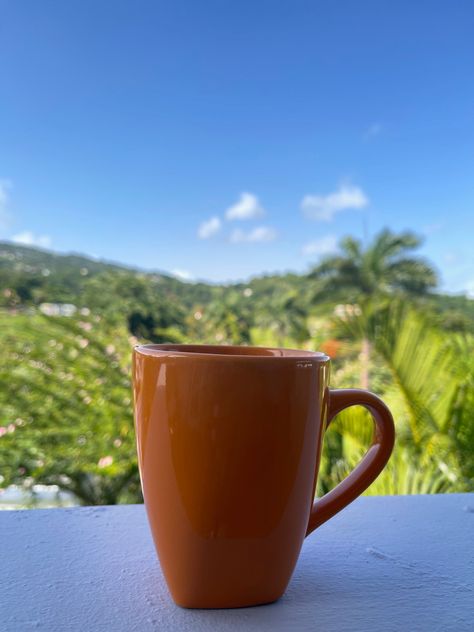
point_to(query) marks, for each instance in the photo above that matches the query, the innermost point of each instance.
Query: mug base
(225, 604)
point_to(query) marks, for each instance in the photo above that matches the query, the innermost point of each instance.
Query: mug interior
(229, 350)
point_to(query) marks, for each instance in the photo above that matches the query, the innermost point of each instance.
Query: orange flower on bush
(331, 347)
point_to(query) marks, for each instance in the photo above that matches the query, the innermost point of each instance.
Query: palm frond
(388, 245)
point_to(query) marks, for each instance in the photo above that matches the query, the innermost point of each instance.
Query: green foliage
(384, 267)
(225, 320)
(65, 409)
(286, 319)
(430, 391)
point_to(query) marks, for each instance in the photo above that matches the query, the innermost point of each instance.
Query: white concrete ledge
(389, 563)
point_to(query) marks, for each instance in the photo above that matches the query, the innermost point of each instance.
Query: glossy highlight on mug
(229, 440)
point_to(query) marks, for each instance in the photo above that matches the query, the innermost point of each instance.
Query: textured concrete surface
(392, 563)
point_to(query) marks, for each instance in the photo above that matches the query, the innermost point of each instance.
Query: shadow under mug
(229, 441)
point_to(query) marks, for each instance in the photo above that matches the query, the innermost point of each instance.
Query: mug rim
(230, 352)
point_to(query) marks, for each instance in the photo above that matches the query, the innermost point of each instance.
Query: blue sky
(227, 139)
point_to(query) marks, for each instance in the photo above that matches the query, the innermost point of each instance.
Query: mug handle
(371, 465)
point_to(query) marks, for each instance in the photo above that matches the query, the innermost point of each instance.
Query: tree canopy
(385, 266)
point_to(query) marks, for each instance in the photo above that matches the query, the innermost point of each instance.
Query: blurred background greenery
(68, 323)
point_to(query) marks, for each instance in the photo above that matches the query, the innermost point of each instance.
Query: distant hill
(41, 275)
(31, 276)
(36, 260)
(63, 276)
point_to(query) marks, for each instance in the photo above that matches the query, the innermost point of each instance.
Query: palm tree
(369, 276)
(431, 394)
(384, 267)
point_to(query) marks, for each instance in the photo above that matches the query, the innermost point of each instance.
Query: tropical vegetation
(67, 325)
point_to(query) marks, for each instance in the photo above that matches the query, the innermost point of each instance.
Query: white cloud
(320, 247)
(373, 130)
(248, 207)
(27, 238)
(185, 275)
(4, 187)
(259, 234)
(324, 207)
(209, 228)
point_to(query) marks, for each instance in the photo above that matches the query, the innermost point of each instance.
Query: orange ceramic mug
(229, 440)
